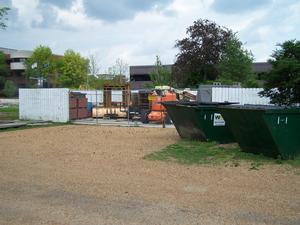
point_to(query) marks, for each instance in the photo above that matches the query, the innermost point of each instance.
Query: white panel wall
(241, 95)
(47, 104)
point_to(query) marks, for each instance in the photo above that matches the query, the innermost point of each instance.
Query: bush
(10, 89)
(2, 82)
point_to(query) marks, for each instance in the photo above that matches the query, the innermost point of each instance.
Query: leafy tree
(283, 82)
(236, 65)
(2, 82)
(160, 75)
(3, 70)
(98, 82)
(200, 52)
(94, 82)
(73, 70)
(10, 89)
(3, 67)
(41, 63)
(3, 13)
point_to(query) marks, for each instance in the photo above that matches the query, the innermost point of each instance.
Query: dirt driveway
(96, 175)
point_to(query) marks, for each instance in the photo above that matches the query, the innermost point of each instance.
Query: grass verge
(197, 153)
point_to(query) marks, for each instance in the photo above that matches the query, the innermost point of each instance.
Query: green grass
(12, 113)
(9, 113)
(197, 153)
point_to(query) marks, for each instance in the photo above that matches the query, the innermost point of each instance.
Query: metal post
(162, 118)
(96, 108)
(128, 103)
(87, 82)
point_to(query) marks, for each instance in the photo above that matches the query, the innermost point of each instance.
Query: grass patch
(12, 113)
(197, 153)
(9, 113)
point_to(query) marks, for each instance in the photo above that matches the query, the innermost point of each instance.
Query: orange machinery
(157, 112)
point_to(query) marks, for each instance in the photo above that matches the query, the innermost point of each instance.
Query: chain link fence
(110, 105)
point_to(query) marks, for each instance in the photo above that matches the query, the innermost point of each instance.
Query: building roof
(10, 51)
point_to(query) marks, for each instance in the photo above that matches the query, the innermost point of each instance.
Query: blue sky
(138, 30)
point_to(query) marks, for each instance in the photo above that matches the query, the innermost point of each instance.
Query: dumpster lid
(268, 108)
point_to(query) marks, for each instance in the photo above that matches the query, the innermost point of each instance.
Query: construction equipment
(157, 112)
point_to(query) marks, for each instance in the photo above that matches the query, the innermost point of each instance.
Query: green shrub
(10, 89)
(2, 82)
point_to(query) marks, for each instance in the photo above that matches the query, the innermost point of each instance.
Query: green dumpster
(268, 130)
(199, 121)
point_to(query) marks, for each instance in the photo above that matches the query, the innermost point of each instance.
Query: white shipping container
(47, 104)
(208, 93)
(240, 95)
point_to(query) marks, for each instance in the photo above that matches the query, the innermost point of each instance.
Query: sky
(138, 30)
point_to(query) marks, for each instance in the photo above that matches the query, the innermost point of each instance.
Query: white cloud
(149, 32)
(28, 12)
(75, 17)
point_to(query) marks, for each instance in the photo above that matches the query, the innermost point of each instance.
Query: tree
(2, 82)
(119, 71)
(73, 70)
(3, 70)
(94, 70)
(200, 52)
(283, 82)
(3, 13)
(10, 89)
(3, 67)
(98, 82)
(236, 65)
(119, 68)
(160, 75)
(41, 63)
(94, 67)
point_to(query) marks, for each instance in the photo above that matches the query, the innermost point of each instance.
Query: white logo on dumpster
(218, 120)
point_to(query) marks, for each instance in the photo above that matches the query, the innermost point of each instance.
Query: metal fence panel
(96, 97)
(116, 96)
(47, 104)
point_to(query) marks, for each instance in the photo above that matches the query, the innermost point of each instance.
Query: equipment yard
(77, 174)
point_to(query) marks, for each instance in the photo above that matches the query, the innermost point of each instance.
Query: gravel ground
(96, 175)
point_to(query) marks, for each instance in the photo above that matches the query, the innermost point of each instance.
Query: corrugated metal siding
(241, 95)
(48, 104)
